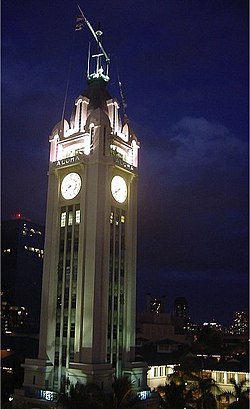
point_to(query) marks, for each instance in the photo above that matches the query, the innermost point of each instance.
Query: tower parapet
(76, 137)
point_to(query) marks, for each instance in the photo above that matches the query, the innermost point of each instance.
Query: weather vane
(99, 71)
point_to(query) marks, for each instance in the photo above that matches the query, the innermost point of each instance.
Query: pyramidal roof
(97, 93)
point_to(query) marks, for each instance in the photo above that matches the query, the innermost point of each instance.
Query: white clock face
(119, 189)
(71, 185)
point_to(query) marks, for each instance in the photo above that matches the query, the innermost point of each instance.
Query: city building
(155, 324)
(15, 347)
(212, 325)
(87, 331)
(13, 318)
(156, 305)
(180, 307)
(155, 327)
(240, 324)
(221, 372)
(180, 316)
(22, 243)
(168, 362)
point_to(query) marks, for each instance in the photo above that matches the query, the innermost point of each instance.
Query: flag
(79, 23)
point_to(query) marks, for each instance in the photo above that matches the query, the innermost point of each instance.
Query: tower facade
(87, 331)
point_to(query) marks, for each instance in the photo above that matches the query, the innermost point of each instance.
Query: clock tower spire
(87, 332)
(99, 71)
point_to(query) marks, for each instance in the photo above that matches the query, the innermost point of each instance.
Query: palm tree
(174, 396)
(90, 396)
(205, 389)
(81, 396)
(123, 394)
(240, 394)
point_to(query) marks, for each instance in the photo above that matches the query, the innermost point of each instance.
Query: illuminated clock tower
(87, 332)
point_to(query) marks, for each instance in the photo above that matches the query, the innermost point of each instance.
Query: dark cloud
(209, 295)
(193, 205)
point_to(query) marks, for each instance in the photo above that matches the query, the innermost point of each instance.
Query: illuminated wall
(87, 330)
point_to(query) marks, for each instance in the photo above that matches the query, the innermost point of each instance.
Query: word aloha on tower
(87, 331)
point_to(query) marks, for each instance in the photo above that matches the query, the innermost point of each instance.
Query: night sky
(184, 70)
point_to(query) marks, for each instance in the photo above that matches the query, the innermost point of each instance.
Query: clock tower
(87, 331)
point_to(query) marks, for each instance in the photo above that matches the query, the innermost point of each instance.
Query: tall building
(180, 307)
(13, 318)
(155, 305)
(240, 324)
(87, 331)
(22, 243)
(180, 316)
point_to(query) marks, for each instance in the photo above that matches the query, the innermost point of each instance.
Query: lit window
(25, 230)
(48, 395)
(70, 221)
(8, 369)
(35, 250)
(78, 216)
(63, 219)
(111, 217)
(117, 219)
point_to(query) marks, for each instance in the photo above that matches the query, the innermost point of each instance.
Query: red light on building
(18, 215)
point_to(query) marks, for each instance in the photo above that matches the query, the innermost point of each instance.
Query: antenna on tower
(99, 70)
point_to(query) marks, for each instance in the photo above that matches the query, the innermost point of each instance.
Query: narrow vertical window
(63, 219)
(72, 329)
(70, 221)
(80, 116)
(91, 133)
(78, 216)
(114, 116)
(104, 141)
(111, 217)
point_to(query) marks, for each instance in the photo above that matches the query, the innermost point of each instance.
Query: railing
(38, 393)
(118, 159)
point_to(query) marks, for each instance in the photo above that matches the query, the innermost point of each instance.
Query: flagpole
(94, 34)
(88, 61)
(67, 84)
